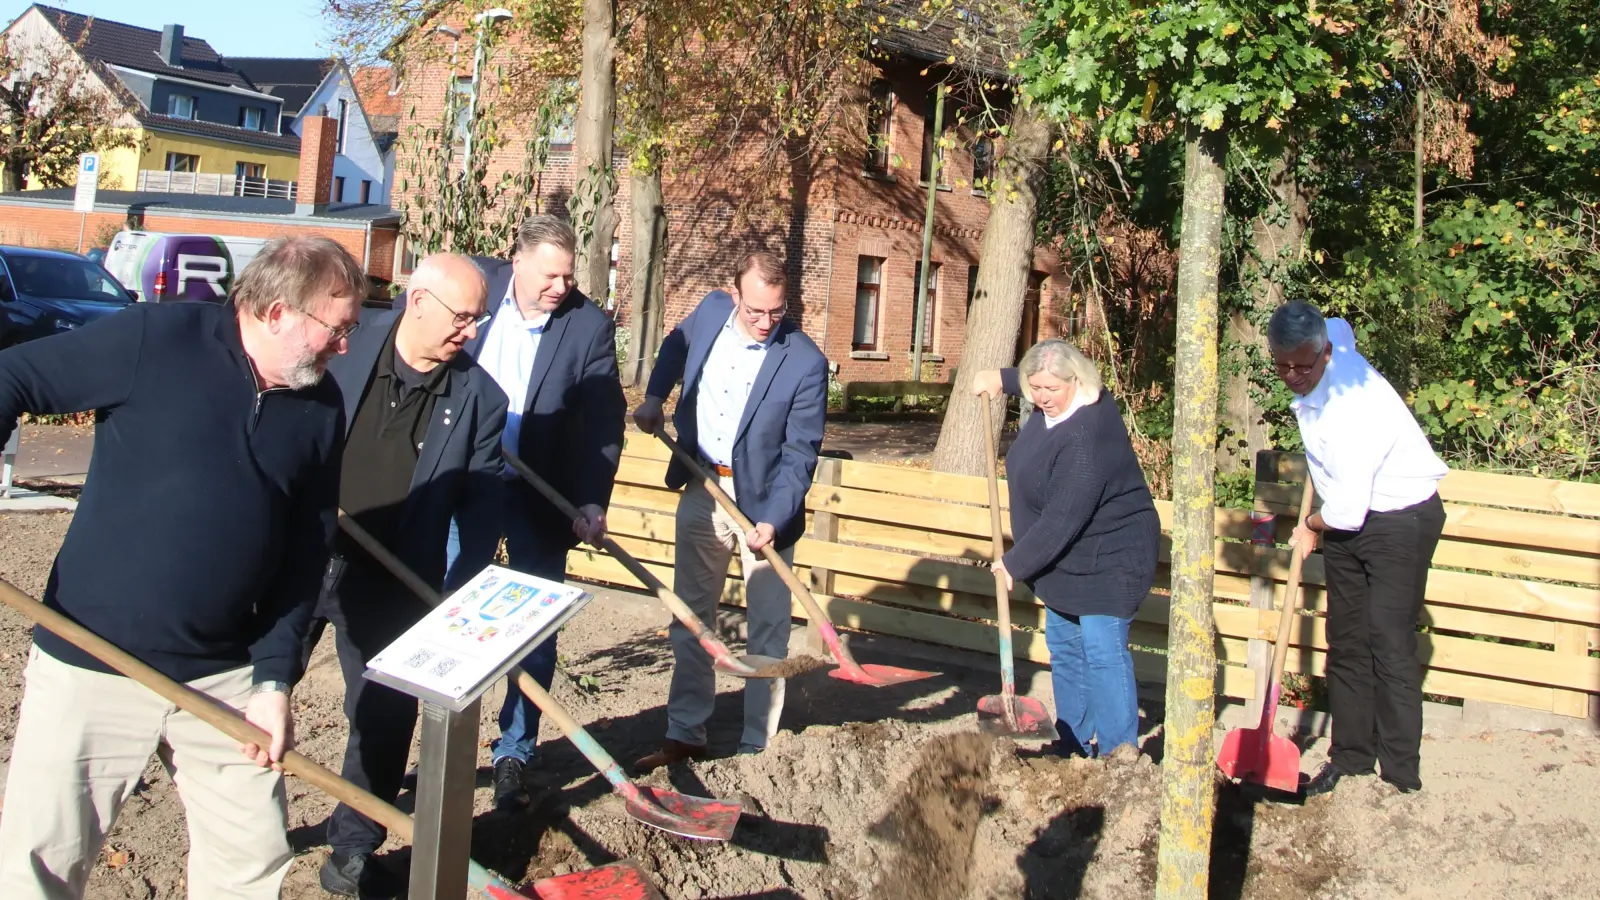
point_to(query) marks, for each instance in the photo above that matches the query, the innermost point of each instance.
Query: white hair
(1063, 360)
(1294, 325)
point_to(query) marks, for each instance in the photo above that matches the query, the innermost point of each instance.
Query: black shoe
(1402, 788)
(509, 793)
(358, 875)
(1324, 781)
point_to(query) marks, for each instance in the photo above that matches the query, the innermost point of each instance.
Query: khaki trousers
(83, 739)
(707, 537)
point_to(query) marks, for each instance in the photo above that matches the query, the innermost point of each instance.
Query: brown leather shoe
(671, 752)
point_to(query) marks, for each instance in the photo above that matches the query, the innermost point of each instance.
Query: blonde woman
(1085, 536)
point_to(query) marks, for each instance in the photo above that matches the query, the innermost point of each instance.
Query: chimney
(172, 46)
(318, 135)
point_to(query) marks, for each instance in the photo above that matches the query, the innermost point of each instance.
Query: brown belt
(724, 471)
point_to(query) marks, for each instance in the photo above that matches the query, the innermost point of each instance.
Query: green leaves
(1221, 63)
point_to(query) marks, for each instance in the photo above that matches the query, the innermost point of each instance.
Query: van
(160, 267)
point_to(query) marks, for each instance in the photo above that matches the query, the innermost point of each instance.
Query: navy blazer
(575, 415)
(458, 470)
(780, 432)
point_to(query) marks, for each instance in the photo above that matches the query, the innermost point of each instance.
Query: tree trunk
(1416, 150)
(1279, 240)
(1188, 802)
(649, 274)
(1005, 259)
(593, 209)
(10, 179)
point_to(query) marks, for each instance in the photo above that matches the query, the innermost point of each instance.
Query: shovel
(1005, 713)
(1256, 754)
(849, 669)
(692, 817)
(229, 722)
(722, 659)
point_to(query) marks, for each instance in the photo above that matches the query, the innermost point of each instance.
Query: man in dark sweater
(198, 546)
(423, 445)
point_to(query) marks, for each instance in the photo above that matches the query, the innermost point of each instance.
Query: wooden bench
(899, 390)
(1512, 612)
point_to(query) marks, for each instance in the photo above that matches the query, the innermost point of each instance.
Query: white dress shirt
(730, 372)
(1363, 446)
(507, 354)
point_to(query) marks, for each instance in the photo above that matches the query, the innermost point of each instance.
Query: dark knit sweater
(200, 539)
(1085, 526)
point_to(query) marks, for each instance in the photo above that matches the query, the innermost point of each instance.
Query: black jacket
(458, 468)
(1086, 528)
(202, 532)
(573, 422)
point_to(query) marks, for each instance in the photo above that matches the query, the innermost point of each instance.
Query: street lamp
(497, 14)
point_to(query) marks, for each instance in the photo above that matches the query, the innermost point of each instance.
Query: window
(249, 179)
(460, 98)
(982, 165)
(880, 125)
(366, 191)
(930, 145)
(972, 287)
(180, 106)
(250, 118)
(408, 257)
(338, 189)
(183, 162)
(869, 283)
(930, 318)
(563, 127)
(344, 112)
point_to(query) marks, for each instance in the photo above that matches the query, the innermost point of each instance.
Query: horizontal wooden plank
(898, 388)
(1483, 488)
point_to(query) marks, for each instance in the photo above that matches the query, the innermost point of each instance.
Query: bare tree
(52, 110)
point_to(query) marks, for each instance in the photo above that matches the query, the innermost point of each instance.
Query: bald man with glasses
(422, 447)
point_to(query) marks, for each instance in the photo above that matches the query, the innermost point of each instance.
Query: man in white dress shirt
(1380, 520)
(553, 352)
(755, 390)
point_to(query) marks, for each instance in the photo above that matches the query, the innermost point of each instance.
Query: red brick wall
(57, 228)
(380, 262)
(747, 200)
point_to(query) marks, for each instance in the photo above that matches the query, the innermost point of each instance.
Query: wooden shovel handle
(1291, 594)
(208, 710)
(1001, 592)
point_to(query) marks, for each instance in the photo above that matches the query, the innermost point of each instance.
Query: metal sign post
(447, 773)
(83, 197)
(9, 455)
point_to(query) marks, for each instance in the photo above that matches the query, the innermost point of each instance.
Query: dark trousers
(368, 610)
(1376, 580)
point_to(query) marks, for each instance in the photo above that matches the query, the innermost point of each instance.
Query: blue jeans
(530, 552)
(1091, 673)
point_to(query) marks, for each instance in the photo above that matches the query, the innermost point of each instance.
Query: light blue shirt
(725, 382)
(508, 353)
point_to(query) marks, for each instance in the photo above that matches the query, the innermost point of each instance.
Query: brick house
(849, 223)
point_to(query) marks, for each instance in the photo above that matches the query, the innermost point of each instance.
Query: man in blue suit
(755, 391)
(422, 446)
(554, 354)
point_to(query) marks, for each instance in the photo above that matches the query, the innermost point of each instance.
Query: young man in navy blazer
(422, 448)
(554, 353)
(755, 391)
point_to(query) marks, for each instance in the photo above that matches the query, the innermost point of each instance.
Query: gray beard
(305, 371)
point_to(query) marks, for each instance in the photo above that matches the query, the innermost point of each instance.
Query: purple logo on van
(185, 267)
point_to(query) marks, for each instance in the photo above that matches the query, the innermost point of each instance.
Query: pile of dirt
(934, 821)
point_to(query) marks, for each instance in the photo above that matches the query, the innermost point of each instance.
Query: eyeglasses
(771, 315)
(339, 334)
(1292, 369)
(461, 320)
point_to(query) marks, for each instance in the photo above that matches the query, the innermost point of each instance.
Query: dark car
(45, 292)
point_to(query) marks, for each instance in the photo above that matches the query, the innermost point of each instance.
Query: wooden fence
(1512, 611)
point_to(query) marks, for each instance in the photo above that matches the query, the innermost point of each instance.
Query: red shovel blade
(1241, 756)
(878, 676)
(691, 817)
(618, 881)
(1034, 722)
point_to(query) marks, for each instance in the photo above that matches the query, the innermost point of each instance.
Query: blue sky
(234, 28)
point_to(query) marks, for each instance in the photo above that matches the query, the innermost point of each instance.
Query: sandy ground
(890, 793)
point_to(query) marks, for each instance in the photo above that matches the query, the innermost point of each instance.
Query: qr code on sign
(419, 659)
(443, 666)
